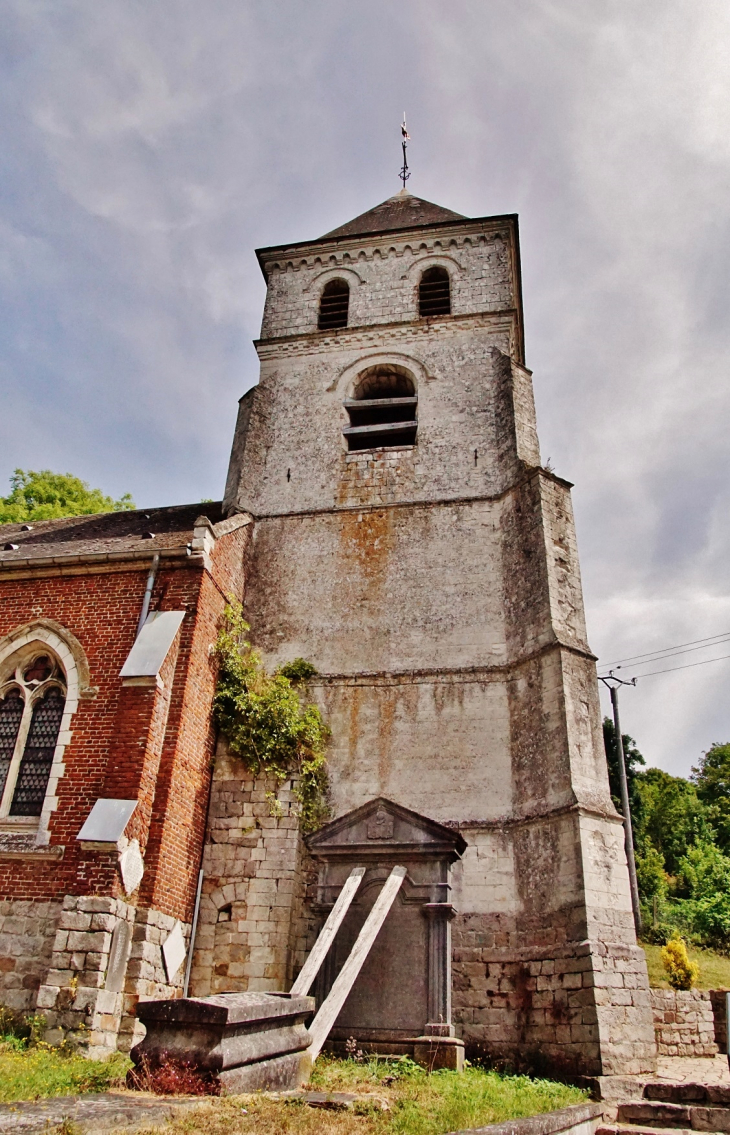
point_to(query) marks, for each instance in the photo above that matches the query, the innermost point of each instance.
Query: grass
(714, 968)
(37, 1072)
(419, 1104)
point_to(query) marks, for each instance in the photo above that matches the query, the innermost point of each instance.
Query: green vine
(265, 721)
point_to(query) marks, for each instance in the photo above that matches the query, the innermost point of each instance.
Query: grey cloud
(150, 148)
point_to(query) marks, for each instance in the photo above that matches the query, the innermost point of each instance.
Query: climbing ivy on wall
(265, 720)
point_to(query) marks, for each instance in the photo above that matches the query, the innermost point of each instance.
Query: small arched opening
(334, 304)
(434, 292)
(383, 409)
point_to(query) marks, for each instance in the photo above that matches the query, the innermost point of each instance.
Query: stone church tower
(409, 543)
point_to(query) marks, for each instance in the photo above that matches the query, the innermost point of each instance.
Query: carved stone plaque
(380, 826)
(132, 866)
(118, 955)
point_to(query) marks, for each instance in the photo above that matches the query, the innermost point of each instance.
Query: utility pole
(612, 682)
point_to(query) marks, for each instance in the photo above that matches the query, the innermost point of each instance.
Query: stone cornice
(94, 563)
(380, 334)
(345, 250)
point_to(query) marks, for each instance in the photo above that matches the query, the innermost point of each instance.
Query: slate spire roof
(403, 211)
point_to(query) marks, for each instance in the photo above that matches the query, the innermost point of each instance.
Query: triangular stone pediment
(381, 825)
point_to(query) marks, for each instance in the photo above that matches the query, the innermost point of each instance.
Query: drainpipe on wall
(148, 593)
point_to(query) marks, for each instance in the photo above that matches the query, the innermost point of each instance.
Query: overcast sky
(148, 148)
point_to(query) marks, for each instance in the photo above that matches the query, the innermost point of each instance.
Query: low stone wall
(683, 1022)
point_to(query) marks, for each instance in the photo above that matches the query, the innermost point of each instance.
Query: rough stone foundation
(89, 994)
(536, 1009)
(27, 932)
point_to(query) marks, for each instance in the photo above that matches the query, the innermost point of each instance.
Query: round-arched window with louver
(383, 409)
(334, 304)
(434, 292)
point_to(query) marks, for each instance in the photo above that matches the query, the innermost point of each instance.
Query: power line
(675, 653)
(688, 666)
(650, 653)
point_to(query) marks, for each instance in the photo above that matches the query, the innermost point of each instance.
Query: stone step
(638, 1129)
(656, 1113)
(717, 1094)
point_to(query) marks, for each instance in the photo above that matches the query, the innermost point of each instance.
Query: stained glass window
(35, 766)
(11, 712)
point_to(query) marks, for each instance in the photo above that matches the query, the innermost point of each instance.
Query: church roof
(403, 211)
(107, 535)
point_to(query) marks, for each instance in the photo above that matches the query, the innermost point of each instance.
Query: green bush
(265, 722)
(681, 972)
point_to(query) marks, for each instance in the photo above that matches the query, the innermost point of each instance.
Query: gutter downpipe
(148, 593)
(193, 931)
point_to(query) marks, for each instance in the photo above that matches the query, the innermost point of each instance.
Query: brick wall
(61, 902)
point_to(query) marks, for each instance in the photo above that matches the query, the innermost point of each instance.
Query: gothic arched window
(32, 700)
(434, 292)
(383, 409)
(333, 305)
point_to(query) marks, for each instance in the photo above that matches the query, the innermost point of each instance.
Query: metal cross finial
(405, 173)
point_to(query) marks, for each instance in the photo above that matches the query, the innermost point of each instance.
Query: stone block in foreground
(241, 1042)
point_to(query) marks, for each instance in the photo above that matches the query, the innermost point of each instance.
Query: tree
(704, 878)
(632, 759)
(43, 495)
(711, 777)
(670, 816)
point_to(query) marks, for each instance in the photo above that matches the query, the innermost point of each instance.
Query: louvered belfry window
(333, 305)
(383, 411)
(434, 293)
(32, 701)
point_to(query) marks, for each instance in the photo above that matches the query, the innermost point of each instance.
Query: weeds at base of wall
(172, 1078)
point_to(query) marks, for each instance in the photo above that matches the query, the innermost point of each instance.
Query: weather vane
(405, 173)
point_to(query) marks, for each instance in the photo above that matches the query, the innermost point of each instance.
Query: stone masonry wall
(383, 274)
(683, 1022)
(437, 591)
(76, 998)
(146, 978)
(250, 912)
(73, 998)
(27, 931)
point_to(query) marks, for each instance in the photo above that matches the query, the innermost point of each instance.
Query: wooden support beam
(320, 1027)
(318, 953)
